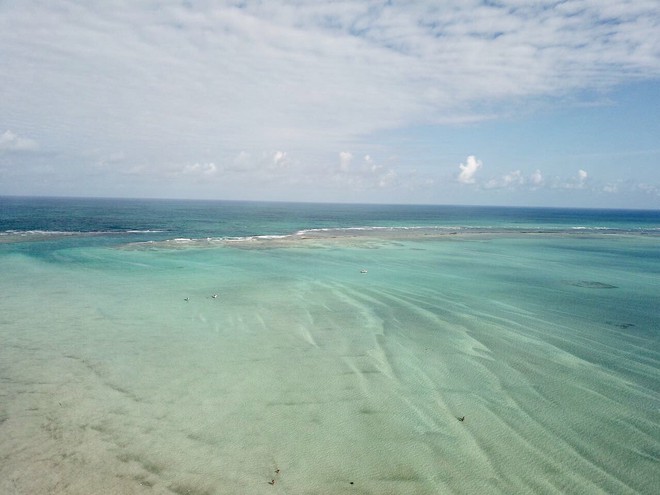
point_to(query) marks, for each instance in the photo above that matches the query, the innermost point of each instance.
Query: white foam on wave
(45, 233)
(253, 238)
(26, 233)
(579, 227)
(379, 228)
(208, 241)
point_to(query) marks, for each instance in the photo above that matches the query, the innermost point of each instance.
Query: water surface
(343, 346)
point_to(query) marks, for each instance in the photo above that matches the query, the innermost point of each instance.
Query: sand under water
(332, 364)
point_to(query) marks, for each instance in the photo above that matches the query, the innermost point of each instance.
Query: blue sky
(510, 102)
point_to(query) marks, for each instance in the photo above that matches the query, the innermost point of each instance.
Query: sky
(488, 102)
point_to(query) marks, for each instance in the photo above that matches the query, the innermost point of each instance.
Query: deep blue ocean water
(163, 219)
(342, 346)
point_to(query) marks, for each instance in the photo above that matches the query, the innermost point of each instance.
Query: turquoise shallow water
(538, 327)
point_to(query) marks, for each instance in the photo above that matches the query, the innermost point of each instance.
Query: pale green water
(345, 382)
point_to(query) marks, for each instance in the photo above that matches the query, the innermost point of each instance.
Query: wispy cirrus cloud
(255, 74)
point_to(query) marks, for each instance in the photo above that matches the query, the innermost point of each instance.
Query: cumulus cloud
(514, 178)
(468, 170)
(577, 182)
(582, 179)
(200, 169)
(510, 180)
(364, 174)
(10, 141)
(517, 180)
(611, 188)
(259, 163)
(345, 159)
(280, 159)
(536, 179)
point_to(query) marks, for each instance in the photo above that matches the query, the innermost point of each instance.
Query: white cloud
(536, 179)
(345, 159)
(219, 82)
(510, 180)
(362, 175)
(9, 141)
(280, 159)
(305, 71)
(200, 169)
(517, 180)
(514, 178)
(579, 181)
(261, 167)
(468, 170)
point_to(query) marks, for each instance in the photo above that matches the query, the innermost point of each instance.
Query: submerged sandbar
(371, 236)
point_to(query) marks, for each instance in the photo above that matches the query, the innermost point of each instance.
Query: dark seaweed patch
(623, 326)
(591, 284)
(182, 489)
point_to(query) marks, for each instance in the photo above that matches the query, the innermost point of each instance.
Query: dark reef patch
(590, 284)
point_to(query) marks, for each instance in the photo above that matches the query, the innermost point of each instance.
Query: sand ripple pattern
(322, 383)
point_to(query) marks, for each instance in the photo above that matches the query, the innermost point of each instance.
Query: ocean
(208, 347)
